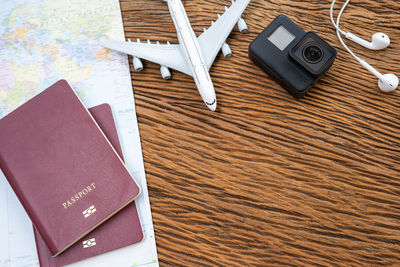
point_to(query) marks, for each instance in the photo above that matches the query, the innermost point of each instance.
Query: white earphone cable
(332, 19)
(386, 82)
(338, 30)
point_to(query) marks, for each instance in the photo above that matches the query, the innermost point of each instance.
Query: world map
(41, 42)
(44, 41)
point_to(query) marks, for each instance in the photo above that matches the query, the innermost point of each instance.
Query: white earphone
(379, 40)
(386, 82)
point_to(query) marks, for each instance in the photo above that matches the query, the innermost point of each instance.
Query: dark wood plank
(267, 179)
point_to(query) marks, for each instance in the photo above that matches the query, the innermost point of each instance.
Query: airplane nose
(212, 106)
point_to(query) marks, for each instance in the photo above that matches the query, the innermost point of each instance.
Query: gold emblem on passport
(89, 243)
(89, 211)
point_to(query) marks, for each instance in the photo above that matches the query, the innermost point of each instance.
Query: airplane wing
(168, 55)
(212, 39)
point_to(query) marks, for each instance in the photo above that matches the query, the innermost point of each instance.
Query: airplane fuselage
(192, 51)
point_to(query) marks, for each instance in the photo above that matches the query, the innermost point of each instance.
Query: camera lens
(312, 53)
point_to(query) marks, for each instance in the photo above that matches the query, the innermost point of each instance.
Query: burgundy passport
(121, 230)
(66, 174)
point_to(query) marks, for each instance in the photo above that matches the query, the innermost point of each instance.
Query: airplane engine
(165, 73)
(242, 25)
(226, 50)
(137, 64)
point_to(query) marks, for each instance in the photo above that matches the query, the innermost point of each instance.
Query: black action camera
(294, 58)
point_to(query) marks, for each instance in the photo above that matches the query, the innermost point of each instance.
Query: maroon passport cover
(66, 174)
(119, 231)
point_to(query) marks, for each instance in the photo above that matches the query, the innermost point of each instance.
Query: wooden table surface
(267, 179)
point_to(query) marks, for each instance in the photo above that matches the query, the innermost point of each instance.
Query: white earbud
(379, 40)
(389, 82)
(386, 82)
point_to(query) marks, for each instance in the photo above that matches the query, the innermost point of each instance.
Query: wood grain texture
(267, 179)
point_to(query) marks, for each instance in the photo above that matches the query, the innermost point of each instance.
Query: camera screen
(281, 37)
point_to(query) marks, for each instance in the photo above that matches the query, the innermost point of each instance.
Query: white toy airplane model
(193, 55)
